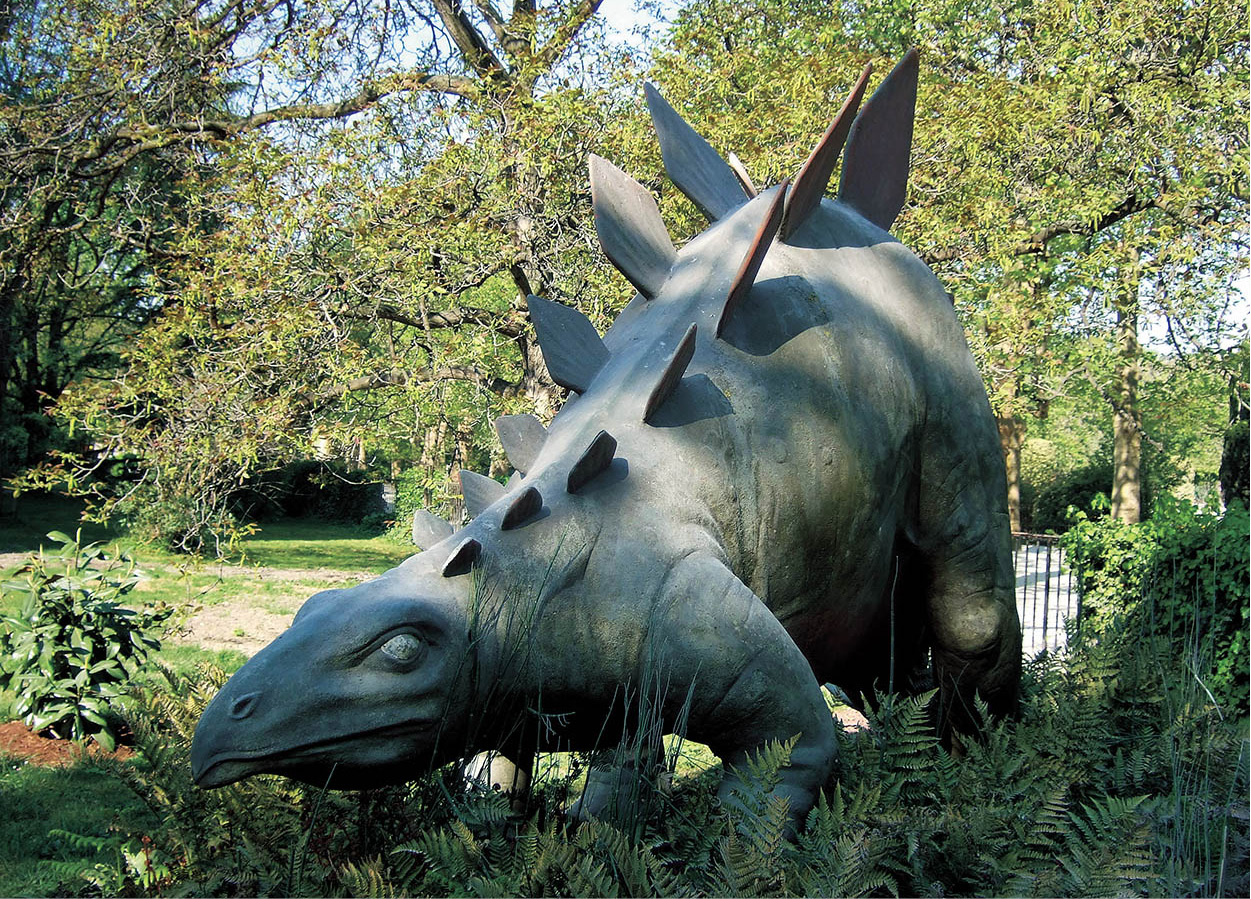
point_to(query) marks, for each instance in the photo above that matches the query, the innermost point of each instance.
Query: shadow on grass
(309, 543)
(80, 799)
(37, 513)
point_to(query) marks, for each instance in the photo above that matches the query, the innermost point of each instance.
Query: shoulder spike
(672, 376)
(525, 505)
(805, 195)
(479, 491)
(513, 480)
(740, 171)
(755, 256)
(462, 558)
(598, 456)
(429, 529)
(693, 165)
(630, 228)
(875, 164)
(522, 437)
(572, 348)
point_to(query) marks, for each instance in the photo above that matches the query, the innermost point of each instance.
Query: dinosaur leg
(623, 783)
(750, 684)
(971, 599)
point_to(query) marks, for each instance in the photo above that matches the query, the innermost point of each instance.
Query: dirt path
(242, 626)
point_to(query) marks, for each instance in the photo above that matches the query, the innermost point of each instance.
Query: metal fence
(1047, 594)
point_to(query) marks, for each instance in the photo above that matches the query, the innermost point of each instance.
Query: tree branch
(1037, 242)
(142, 139)
(502, 323)
(559, 41)
(400, 378)
(472, 45)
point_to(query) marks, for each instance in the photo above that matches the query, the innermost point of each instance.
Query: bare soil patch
(238, 625)
(11, 560)
(232, 625)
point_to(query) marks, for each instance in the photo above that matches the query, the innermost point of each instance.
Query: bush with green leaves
(73, 646)
(1085, 488)
(1184, 574)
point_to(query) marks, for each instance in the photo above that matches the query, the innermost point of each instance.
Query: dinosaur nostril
(243, 706)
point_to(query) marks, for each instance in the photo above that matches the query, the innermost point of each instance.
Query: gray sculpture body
(778, 469)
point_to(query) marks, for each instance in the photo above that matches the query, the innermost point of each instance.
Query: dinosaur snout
(217, 753)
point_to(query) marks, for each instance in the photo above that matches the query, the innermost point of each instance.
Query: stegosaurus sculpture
(777, 469)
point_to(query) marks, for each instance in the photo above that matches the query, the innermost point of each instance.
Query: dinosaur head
(361, 684)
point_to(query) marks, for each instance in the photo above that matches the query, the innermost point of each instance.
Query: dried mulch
(18, 740)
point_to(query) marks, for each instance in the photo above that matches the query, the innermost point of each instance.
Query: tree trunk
(1126, 414)
(1011, 439)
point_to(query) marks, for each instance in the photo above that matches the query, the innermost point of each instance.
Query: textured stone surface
(721, 522)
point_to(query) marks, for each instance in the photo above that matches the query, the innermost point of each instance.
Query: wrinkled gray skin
(822, 492)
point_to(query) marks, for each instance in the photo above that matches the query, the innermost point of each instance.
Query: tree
(83, 211)
(380, 188)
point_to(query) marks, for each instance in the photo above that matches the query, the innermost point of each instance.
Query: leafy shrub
(1077, 488)
(181, 523)
(309, 489)
(1183, 573)
(1081, 488)
(73, 646)
(419, 488)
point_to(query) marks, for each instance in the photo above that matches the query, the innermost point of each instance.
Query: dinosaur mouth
(378, 757)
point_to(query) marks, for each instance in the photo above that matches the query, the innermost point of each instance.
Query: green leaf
(92, 714)
(105, 739)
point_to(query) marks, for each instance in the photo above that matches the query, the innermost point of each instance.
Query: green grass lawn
(289, 543)
(303, 543)
(79, 799)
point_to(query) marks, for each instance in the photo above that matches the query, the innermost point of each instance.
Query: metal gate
(1047, 595)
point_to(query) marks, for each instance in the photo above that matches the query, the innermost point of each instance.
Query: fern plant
(1120, 775)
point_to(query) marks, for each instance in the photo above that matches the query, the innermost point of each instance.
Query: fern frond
(367, 879)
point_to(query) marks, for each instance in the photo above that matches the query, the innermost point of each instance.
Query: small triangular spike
(692, 164)
(809, 186)
(630, 228)
(572, 348)
(740, 171)
(875, 164)
(598, 456)
(674, 369)
(429, 529)
(525, 505)
(479, 491)
(462, 558)
(522, 437)
(513, 480)
(755, 256)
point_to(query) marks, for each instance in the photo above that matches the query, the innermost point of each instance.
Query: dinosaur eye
(402, 647)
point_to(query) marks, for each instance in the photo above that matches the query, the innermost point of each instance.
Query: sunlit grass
(304, 543)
